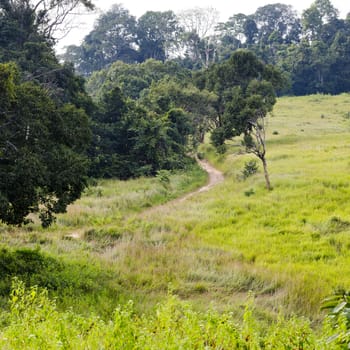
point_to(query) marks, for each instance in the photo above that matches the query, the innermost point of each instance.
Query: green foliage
(199, 105)
(43, 165)
(243, 96)
(44, 129)
(133, 79)
(163, 177)
(250, 168)
(129, 141)
(34, 322)
(65, 280)
(338, 317)
(30, 265)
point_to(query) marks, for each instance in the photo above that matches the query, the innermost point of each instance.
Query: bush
(62, 279)
(250, 168)
(30, 265)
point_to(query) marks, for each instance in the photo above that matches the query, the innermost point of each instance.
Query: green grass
(290, 246)
(75, 258)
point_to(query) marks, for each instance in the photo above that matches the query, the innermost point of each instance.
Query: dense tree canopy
(44, 127)
(42, 145)
(131, 141)
(308, 48)
(113, 38)
(133, 79)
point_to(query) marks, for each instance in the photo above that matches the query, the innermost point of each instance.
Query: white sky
(227, 8)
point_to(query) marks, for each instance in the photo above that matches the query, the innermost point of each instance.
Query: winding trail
(215, 177)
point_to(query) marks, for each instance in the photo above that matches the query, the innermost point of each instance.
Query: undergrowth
(33, 322)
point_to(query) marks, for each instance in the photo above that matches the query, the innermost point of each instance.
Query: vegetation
(44, 123)
(311, 50)
(288, 246)
(238, 266)
(245, 91)
(42, 154)
(34, 322)
(130, 142)
(52, 135)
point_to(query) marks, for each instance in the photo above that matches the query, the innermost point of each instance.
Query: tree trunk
(266, 173)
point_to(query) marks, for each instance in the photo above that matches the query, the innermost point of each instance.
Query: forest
(99, 246)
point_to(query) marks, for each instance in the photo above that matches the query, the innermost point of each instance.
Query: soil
(215, 177)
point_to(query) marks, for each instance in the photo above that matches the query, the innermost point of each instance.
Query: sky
(84, 23)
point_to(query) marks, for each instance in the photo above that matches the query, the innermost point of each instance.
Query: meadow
(236, 264)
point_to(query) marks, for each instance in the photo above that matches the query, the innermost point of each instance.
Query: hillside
(288, 247)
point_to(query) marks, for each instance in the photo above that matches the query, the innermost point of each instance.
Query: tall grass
(34, 322)
(289, 246)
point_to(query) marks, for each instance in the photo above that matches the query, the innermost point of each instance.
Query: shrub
(250, 168)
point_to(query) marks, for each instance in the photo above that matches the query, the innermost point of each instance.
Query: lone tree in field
(246, 90)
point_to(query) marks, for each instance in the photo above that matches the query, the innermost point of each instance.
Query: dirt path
(215, 177)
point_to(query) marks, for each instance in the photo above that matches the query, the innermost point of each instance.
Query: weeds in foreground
(34, 322)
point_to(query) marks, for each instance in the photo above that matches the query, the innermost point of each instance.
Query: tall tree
(277, 23)
(198, 39)
(245, 87)
(158, 33)
(42, 151)
(319, 13)
(113, 38)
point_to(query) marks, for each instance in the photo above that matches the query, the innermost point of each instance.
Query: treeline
(144, 117)
(312, 49)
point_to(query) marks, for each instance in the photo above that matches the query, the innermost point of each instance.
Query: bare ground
(215, 177)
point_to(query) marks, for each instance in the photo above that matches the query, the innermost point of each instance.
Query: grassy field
(290, 247)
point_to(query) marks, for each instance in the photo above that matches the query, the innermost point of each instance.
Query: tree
(47, 16)
(198, 105)
(44, 128)
(198, 39)
(245, 87)
(157, 32)
(42, 151)
(277, 23)
(236, 27)
(260, 99)
(319, 13)
(113, 38)
(130, 141)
